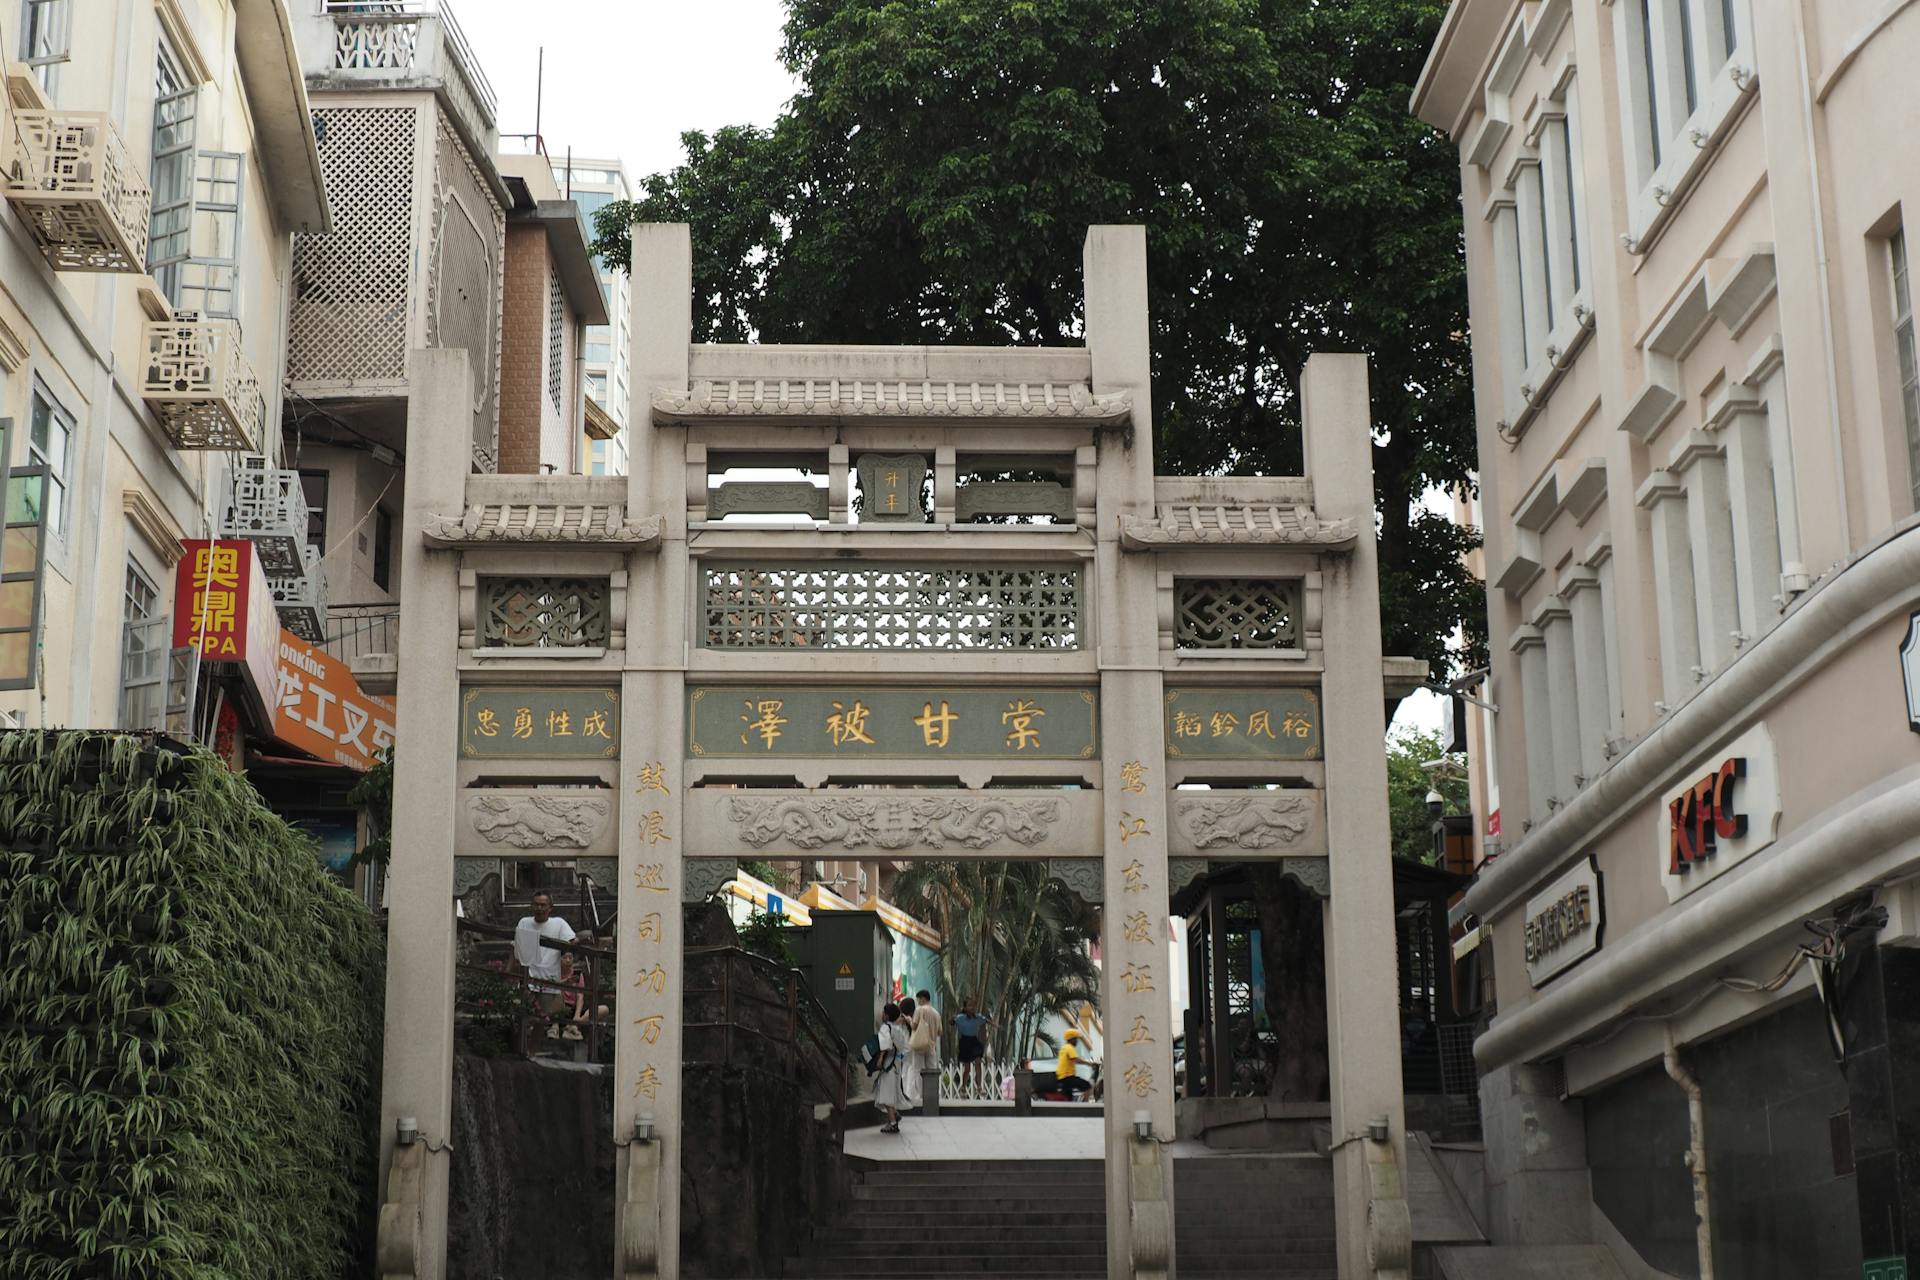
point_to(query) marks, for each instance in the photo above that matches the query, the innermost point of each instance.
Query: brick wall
(523, 350)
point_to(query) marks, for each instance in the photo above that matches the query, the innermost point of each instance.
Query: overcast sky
(627, 77)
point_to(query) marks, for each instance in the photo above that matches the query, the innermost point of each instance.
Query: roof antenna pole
(539, 89)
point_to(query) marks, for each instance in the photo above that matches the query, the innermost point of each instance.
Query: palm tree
(1012, 936)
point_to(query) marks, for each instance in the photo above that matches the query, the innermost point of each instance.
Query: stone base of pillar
(929, 1091)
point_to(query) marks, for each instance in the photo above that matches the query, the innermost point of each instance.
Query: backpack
(870, 1055)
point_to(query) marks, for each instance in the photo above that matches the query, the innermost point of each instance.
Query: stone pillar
(417, 1075)
(647, 1075)
(1555, 621)
(1662, 495)
(1539, 1191)
(1593, 691)
(1536, 710)
(1710, 533)
(1134, 929)
(1756, 519)
(1363, 1011)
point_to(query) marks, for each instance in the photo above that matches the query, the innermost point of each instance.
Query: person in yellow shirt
(1066, 1069)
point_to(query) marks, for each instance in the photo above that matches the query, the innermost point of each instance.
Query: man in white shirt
(924, 1041)
(533, 959)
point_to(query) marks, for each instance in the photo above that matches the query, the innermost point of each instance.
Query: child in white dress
(889, 1092)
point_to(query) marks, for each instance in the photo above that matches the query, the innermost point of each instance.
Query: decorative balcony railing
(268, 507)
(302, 597)
(362, 630)
(200, 385)
(398, 36)
(76, 185)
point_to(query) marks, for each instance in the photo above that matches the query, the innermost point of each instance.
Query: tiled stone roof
(890, 398)
(495, 523)
(1184, 524)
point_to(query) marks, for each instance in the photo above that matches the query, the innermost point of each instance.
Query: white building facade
(1700, 444)
(594, 184)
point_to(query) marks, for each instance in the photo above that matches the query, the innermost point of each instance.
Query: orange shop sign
(324, 712)
(223, 608)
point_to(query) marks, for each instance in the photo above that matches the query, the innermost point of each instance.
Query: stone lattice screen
(891, 607)
(1236, 613)
(350, 286)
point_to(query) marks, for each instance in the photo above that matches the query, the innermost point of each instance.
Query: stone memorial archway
(728, 687)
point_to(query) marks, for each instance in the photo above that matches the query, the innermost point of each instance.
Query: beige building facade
(157, 163)
(1694, 370)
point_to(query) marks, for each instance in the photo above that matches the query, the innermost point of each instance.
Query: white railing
(988, 1080)
(302, 597)
(79, 190)
(200, 385)
(383, 35)
(267, 506)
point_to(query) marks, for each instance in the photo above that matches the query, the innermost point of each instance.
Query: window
(556, 317)
(313, 487)
(206, 282)
(597, 351)
(143, 653)
(47, 39)
(1677, 49)
(22, 560)
(169, 235)
(1909, 361)
(50, 443)
(597, 388)
(382, 549)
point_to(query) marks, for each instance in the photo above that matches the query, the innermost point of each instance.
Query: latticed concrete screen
(1236, 613)
(891, 607)
(350, 313)
(463, 298)
(543, 612)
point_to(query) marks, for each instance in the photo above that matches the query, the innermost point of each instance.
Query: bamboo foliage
(190, 1018)
(1012, 936)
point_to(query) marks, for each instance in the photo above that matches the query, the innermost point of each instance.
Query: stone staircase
(1235, 1216)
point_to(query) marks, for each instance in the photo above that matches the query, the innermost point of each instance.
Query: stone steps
(1234, 1217)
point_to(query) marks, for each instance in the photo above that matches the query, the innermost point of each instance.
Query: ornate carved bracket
(470, 873)
(1310, 874)
(640, 1215)
(1085, 876)
(701, 878)
(856, 821)
(1182, 872)
(604, 872)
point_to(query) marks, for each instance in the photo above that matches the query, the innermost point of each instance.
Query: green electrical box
(1884, 1269)
(848, 960)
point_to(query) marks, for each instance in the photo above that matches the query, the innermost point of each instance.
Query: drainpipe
(1696, 1151)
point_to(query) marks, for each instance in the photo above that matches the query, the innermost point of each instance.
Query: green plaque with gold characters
(890, 723)
(539, 722)
(1243, 724)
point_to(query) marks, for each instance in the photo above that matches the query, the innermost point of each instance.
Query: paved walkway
(984, 1138)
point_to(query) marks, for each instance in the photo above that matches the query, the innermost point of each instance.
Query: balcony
(301, 597)
(77, 188)
(363, 630)
(403, 43)
(267, 507)
(200, 386)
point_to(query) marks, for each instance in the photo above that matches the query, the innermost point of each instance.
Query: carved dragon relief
(522, 821)
(811, 822)
(1260, 821)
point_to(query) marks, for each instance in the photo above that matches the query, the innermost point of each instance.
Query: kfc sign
(1727, 812)
(323, 710)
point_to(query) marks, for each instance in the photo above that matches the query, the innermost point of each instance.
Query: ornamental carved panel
(1273, 823)
(545, 823)
(543, 612)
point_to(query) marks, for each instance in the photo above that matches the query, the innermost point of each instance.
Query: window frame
(153, 677)
(316, 511)
(59, 469)
(204, 275)
(59, 32)
(1906, 367)
(1682, 72)
(171, 168)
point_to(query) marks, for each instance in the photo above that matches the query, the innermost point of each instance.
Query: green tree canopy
(934, 177)
(1407, 787)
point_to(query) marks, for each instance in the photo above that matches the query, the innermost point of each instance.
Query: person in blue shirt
(972, 1026)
